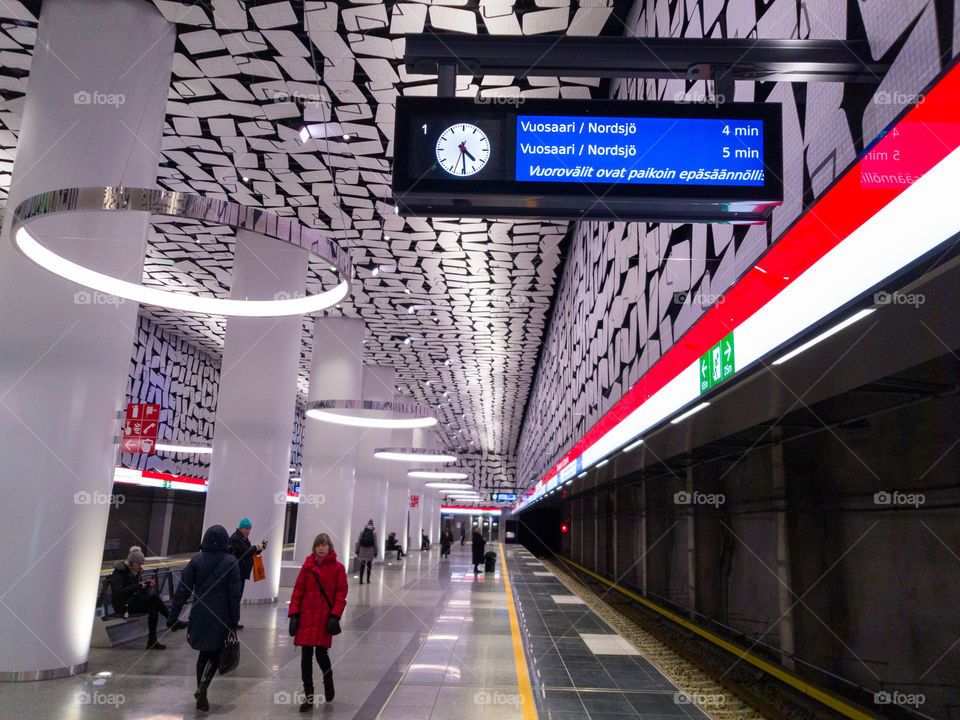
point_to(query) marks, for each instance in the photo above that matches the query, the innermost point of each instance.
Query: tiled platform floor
(426, 640)
(580, 668)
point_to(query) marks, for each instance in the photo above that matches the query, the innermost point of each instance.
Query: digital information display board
(588, 159)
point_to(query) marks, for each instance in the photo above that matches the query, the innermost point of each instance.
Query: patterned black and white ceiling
(472, 295)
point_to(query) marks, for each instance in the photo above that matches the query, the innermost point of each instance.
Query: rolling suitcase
(490, 562)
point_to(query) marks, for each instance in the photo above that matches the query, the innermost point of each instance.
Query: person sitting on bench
(129, 592)
(392, 545)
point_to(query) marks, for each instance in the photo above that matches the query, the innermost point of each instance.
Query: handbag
(258, 572)
(230, 654)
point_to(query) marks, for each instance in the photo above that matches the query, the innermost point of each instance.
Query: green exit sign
(716, 365)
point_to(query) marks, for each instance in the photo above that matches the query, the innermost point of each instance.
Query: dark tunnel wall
(539, 531)
(802, 546)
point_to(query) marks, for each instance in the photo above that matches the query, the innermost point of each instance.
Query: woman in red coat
(318, 600)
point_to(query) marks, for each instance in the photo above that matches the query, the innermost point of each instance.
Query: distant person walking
(316, 606)
(446, 540)
(243, 551)
(129, 592)
(367, 549)
(463, 533)
(478, 547)
(213, 578)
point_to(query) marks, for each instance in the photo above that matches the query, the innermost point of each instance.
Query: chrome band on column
(52, 674)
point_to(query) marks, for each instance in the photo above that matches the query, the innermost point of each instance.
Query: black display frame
(433, 194)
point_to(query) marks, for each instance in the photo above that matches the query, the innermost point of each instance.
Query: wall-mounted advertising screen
(588, 159)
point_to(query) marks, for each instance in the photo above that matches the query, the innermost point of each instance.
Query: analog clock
(463, 149)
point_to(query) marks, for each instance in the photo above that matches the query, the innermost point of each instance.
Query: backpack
(366, 538)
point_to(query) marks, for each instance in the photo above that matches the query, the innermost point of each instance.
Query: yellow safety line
(827, 698)
(527, 705)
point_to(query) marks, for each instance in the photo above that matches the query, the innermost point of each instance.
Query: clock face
(463, 149)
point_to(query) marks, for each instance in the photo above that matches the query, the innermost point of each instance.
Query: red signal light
(564, 528)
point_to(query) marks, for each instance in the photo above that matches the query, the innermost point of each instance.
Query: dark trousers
(306, 663)
(243, 584)
(399, 549)
(204, 658)
(369, 566)
(153, 606)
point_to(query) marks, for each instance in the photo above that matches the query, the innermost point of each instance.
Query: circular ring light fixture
(182, 206)
(372, 413)
(451, 474)
(413, 455)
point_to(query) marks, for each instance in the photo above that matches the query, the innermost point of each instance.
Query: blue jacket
(212, 577)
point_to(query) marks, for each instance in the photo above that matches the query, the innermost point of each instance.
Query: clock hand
(467, 153)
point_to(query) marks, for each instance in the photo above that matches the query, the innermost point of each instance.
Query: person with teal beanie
(243, 551)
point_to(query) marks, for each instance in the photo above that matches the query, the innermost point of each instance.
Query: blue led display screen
(642, 150)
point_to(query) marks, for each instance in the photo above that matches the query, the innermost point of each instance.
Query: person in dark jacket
(463, 533)
(129, 592)
(446, 540)
(244, 551)
(367, 549)
(318, 601)
(213, 578)
(394, 544)
(478, 546)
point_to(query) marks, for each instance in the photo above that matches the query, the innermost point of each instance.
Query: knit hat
(245, 523)
(135, 556)
(370, 522)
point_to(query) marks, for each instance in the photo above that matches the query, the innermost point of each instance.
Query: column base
(53, 674)
(259, 601)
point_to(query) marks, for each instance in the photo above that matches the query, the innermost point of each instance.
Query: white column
(64, 351)
(328, 468)
(370, 494)
(256, 403)
(398, 489)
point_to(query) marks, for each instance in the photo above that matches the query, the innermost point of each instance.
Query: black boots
(328, 685)
(201, 694)
(154, 644)
(307, 704)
